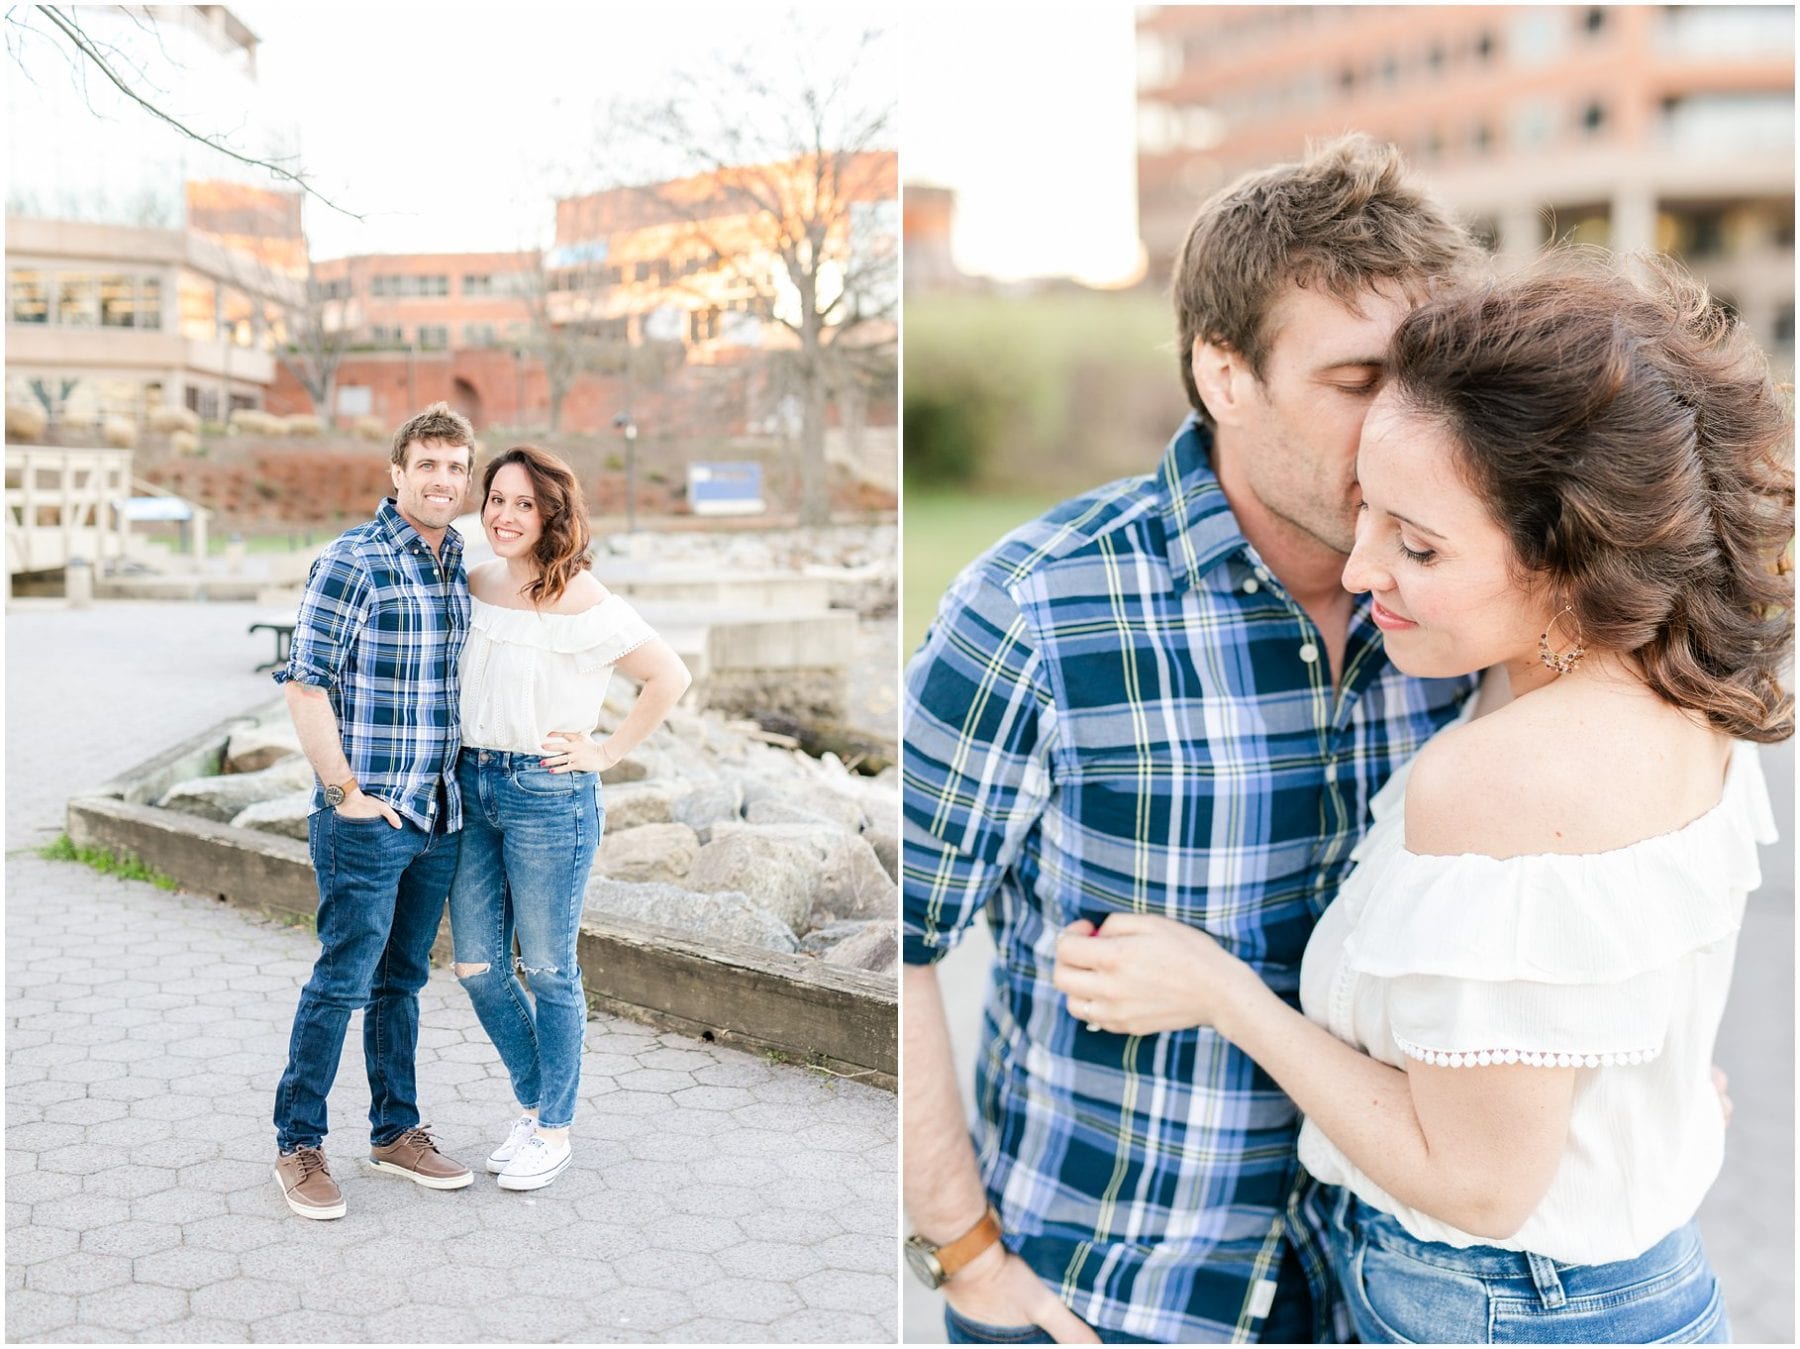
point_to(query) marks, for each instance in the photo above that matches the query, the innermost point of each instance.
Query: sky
(1030, 115)
(451, 126)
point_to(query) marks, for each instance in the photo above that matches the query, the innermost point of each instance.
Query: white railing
(64, 503)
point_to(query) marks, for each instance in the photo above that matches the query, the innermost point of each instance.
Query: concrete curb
(846, 1021)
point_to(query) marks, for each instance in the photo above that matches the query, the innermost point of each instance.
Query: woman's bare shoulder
(583, 592)
(1526, 778)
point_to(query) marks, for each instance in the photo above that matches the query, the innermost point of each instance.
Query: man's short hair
(1343, 218)
(438, 422)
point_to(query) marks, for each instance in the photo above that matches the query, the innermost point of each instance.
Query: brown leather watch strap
(952, 1256)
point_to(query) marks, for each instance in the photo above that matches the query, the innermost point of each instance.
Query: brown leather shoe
(416, 1157)
(307, 1185)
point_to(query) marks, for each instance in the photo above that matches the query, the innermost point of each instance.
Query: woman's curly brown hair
(1628, 437)
(562, 549)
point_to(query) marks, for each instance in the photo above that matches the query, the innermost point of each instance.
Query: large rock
(285, 815)
(651, 852)
(849, 880)
(632, 769)
(781, 875)
(887, 850)
(706, 806)
(799, 793)
(225, 798)
(854, 884)
(875, 948)
(258, 747)
(631, 804)
(771, 811)
(725, 917)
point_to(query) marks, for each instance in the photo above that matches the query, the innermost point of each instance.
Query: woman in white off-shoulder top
(1579, 482)
(544, 639)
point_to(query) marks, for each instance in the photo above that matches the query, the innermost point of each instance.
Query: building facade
(1632, 126)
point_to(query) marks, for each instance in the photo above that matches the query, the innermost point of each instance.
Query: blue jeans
(381, 897)
(528, 840)
(1405, 1291)
(1290, 1318)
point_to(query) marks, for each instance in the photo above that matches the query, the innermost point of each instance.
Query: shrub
(167, 421)
(304, 424)
(120, 433)
(24, 423)
(370, 428)
(184, 442)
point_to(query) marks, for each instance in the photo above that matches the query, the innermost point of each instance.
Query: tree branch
(84, 45)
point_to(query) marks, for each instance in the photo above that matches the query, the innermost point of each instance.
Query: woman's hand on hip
(1140, 975)
(573, 752)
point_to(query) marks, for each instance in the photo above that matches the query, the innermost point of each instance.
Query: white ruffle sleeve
(1551, 960)
(595, 637)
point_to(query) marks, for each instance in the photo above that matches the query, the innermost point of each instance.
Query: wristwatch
(335, 792)
(937, 1265)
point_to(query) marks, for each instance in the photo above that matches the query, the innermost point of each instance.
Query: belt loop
(1549, 1286)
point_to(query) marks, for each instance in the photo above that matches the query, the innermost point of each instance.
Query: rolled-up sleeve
(332, 613)
(978, 722)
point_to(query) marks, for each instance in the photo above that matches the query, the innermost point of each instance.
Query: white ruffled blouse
(525, 674)
(1616, 963)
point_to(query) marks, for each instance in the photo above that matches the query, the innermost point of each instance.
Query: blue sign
(726, 488)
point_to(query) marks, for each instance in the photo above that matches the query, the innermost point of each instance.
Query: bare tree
(60, 28)
(791, 192)
(318, 317)
(570, 332)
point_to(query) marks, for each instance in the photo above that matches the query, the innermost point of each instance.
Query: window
(409, 287)
(355, 400)
(78, 300)
(642, 272)
(433, 337)
(197, 307)
(381, 335)
(482, 284)
(1594, 21)
(1481, 138)
(1593, 119)
(27, 297)
(1484, 48)
(1781, 332)
(130, 302)
(478, 334)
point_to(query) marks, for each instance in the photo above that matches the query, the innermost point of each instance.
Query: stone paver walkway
(715, 1197)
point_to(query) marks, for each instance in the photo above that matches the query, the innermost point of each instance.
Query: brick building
(1634, 126)
(675, 288)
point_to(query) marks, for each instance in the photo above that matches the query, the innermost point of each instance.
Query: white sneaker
(537, 1163)
(522, 1128)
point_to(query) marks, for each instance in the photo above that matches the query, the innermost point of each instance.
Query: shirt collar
(404, 536)
(1201, 531)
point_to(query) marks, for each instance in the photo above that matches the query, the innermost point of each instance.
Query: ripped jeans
(528, 838)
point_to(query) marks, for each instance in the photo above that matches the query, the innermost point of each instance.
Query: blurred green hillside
(1014, 402)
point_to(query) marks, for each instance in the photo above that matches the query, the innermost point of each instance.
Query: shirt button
(1263, 573)
(1331, 770)
(1309, 653)
(1252, 586)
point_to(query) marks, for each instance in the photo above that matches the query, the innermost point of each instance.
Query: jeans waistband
(501, 758)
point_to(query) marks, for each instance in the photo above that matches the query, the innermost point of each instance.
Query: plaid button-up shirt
(1120, 710)
(380, 630)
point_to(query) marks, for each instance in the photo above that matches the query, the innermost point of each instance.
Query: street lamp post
(626, 427)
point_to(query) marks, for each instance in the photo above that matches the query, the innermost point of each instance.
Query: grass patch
(945, 531)
(105, 861)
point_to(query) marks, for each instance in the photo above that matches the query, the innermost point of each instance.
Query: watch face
(923, 1263)
(334, 796)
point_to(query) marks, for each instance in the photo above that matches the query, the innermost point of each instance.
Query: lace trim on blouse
(1546, 1059)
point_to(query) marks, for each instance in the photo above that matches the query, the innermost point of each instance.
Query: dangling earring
(1563, 662)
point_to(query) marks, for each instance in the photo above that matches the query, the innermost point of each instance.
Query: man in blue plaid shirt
(372, 686)
(1159, 698)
